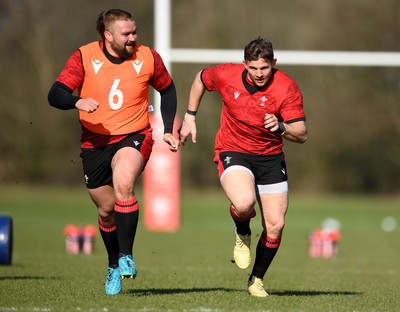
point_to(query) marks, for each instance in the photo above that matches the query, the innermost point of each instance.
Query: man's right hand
(87, 105)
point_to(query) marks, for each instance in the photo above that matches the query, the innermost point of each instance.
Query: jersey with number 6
(121, 89)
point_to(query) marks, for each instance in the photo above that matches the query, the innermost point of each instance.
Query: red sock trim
(126, 206)
(270, 242)
(106, 227)
(237, 218)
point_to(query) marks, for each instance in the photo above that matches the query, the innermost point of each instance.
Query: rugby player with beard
(112, 77)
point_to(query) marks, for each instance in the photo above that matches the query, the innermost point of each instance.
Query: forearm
(196, 93)
(295, 132)
(189, 121)
(60, 96)
(168, 107)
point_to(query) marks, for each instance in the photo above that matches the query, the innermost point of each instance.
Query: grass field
(191, 270)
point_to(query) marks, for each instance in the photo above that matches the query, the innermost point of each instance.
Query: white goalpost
(290, 57)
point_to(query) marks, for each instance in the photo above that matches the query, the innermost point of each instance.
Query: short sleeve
(161, 79)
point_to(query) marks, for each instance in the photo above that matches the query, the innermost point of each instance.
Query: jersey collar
(253, 88)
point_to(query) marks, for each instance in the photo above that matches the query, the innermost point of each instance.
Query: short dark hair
(259, 48)
(107, 17)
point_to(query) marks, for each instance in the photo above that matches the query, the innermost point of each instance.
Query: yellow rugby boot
(241, 250)
(255, 287)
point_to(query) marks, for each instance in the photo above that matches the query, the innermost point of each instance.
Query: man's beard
(123, 52)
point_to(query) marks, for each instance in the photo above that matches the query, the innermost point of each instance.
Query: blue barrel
(6, 239)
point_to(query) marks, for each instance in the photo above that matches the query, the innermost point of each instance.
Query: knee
(275, 229)
(106, 215)
(244, 207)
(124, 191)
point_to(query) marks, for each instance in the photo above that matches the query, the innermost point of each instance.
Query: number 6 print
(115, 92)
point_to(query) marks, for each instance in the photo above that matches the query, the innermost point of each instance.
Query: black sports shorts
(97, 161)
(267, 170)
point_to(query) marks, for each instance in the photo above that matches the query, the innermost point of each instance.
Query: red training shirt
(244, 107)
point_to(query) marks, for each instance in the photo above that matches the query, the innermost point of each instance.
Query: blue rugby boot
(127, 267)
(113, 281)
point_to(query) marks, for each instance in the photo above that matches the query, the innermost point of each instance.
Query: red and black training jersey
(76, 72)
(244, 107)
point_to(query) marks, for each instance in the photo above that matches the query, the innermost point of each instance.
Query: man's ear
(108, 36)
(245, 65)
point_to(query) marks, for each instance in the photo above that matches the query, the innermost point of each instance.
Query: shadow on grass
(313, 293)
(16, 278)
(171, 291)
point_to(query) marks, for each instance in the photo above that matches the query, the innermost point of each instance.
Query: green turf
(191, 270)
